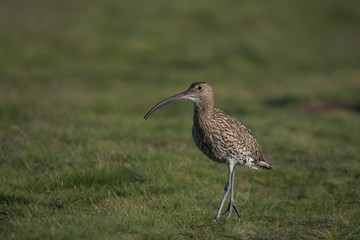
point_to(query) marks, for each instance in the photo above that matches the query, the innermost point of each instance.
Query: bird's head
(200, 93)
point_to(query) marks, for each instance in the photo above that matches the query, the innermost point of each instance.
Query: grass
(77, 161)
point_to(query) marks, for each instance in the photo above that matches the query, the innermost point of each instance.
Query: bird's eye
(199, 88)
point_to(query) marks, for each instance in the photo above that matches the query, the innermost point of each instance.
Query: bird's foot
(230, 208)
(216, 220)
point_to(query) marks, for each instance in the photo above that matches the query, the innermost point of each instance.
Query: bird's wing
(239, 136)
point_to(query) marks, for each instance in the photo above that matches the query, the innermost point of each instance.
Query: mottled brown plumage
(219, 136)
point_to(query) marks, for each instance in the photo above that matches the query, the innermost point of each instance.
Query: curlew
(222, 138)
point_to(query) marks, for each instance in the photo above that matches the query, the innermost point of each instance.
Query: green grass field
(78, 161)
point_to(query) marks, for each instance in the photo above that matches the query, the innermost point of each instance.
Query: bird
(221, 137)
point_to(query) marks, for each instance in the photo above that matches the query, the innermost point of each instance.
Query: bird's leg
(226, 186)
(229, 208)
(232, 201)
(226, 190)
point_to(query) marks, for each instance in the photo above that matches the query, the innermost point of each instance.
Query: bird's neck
(203, 110)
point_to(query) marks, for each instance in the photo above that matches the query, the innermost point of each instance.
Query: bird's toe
(216, 220)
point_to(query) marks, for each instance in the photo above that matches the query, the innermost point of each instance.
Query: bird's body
(222, 138)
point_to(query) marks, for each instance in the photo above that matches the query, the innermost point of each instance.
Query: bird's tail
(264, 165)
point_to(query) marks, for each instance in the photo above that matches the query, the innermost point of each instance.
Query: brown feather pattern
(221, 137)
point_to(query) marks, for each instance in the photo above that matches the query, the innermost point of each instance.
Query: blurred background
(262, 51)
(77, 77)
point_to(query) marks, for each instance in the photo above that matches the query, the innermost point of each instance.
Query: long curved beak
(166, 101)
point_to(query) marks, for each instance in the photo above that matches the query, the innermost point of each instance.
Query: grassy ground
(78, 161)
